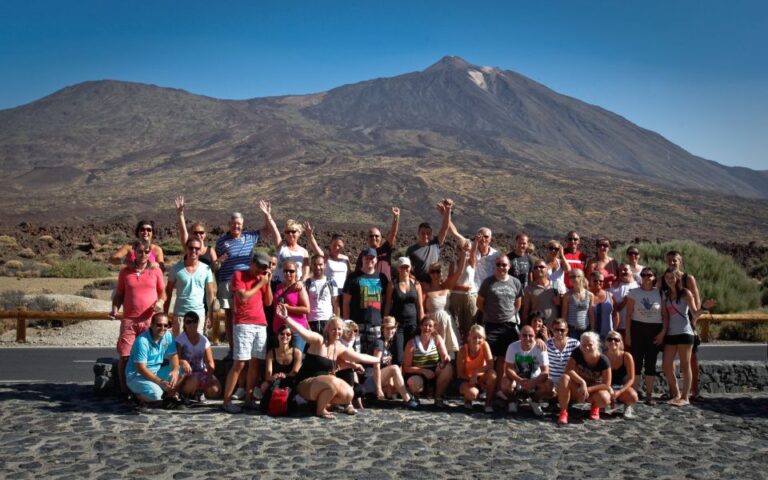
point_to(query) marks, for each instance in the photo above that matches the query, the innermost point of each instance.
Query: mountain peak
(450, 62)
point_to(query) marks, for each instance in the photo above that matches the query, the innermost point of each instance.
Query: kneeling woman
(196, 359)
(475, 368)
(387, 377)
(427, 359)
(587, 378)
(316, 380)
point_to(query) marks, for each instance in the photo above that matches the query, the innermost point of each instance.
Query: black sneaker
(412, 404)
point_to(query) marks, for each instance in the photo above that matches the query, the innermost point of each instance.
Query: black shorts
(499, 336)
(682, 339)
(696, 343)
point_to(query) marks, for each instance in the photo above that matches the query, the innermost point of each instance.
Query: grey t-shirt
(500, 296)
(422, 258)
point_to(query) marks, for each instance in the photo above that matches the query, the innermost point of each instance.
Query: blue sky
(694, 71)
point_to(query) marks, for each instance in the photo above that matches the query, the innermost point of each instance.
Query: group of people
(496, 328)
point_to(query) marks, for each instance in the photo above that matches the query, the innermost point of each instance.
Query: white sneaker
(239, 394)
(512, 407)
(257, 395)
(536, 408)
(629, 412)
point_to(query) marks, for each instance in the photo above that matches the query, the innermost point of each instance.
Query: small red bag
(278, 403)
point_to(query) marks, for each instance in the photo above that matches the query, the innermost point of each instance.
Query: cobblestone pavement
(64, 431)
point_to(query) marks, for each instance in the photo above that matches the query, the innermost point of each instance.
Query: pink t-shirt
(140, 292)
(250, 312)
(290, 299)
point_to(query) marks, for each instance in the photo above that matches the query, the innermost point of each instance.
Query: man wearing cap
(251, 291)
(234, 250)
(364, 298)
(191, 279)
(426, 250)
(383, 250)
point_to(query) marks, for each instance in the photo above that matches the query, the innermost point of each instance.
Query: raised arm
(269, 222)
(392, 233)
(460, 239)
(444, 208)
(308, 335)
(183, 234)
(312, 241)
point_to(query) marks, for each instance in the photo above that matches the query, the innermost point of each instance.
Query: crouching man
(526, 373)
(147, 378)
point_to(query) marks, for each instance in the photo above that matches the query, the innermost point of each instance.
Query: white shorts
(224, 295)
(250, 342)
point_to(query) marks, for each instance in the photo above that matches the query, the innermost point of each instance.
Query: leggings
(644, 351)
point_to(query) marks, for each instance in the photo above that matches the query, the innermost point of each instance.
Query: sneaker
(563, 418)
(629, 411)
(594, 413)
(512, 407)
(232, 408)
(412, 404)
(488, 409)
(239, 394)
(468, 404)
(536, 408)
(257, 395)
(439, 403)
(201, 398)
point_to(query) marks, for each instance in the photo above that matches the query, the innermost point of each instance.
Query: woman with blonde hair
(587, 378)
(288, 249)
(316, 381)
(435, 297)
(622, 373)
(207, 254)
(557, 266)
(576, 306)
(474, 365)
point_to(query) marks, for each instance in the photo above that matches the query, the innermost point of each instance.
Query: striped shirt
(239, 251)
(425, 357)
(559, 359)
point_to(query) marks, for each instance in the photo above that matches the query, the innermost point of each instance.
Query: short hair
(292, 224)
(485, 229)
(478, 329)
(141, 224)
(142, 243)
(315, 257)
(534, 315)
(425, 225)
(337, 236)
(193, 239)
(237, 215)
(192, 316)
(559, 321)
(646, 270)
(522, 234)
(158, 315)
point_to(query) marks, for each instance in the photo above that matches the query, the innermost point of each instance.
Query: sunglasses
(145, 229)
(485, 236)
(560, 330)
(634, 254)
(194, 248)
(198, 233)
(162, 325)
(553, 249)
(602, 245)
(612, 339)
(291, 231)
(141, 250)
(646, 275)
(289, 271)
(573, 239)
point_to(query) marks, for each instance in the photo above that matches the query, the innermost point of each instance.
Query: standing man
(146, 376)
(140, 292)
(193, 282)
(323, 296)
(383, 250)
(499, 299)
(540, 295)
(234, 250)
(521, 262)
(363, 300)
(251, 293)
(574, 257)
(426, 250)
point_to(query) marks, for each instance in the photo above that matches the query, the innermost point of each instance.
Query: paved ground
(63, 431)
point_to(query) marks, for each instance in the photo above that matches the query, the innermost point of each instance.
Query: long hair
(666, 291)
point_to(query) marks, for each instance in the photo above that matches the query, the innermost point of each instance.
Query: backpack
(277, 399)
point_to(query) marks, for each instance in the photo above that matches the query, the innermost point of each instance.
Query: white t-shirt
(485, 266)
(297, 255)
(618, 294)
(647, 305)
(528, 363)
(194, 354)
(320, 294)
(337, 270)
(557, 277)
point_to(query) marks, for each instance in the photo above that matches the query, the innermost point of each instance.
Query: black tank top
(314, 365)
(278, 367)
(404, 304)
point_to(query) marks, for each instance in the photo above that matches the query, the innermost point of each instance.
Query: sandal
(650, 401)
(350, 410)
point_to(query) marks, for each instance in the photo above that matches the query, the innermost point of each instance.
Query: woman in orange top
(475, 365)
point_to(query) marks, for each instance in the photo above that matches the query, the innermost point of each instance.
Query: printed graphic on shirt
(370, 293)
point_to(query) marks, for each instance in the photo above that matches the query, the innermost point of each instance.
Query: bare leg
(251, 378)
(232, 377)
(684, 352)
(121, 364)
(229, 328)
(444, 376)
(694, 374)
(668, 364)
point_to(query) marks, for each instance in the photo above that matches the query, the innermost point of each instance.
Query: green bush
(718, 276)
(172, 246)
(78, 269)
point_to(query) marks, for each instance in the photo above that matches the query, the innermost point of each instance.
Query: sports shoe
(201, 398)
(563, 418)
(536, 408)
(412, 404)
(468, 404)
(257, 395)
(439, 403)
(512, 407)
(232, 408)
(488, 409)
(594, 413)
(239, 394)
(629, 411)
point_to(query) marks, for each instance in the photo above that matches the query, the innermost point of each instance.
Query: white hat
(404, 261)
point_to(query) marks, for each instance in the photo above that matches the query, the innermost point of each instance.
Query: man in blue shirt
(149, 381)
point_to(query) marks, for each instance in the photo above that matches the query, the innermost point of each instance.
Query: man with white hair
(234, 250)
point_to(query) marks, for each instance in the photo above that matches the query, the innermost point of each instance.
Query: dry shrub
(27, 253)
(46, 238)
(14, 265)
(52, 258)
(6, 241)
